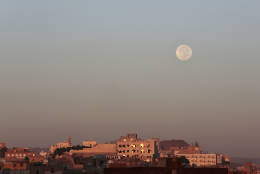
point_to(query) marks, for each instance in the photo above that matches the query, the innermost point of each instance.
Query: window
(133, 146)
(142, 145)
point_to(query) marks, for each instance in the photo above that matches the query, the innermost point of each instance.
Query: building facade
(202, 159)
(64, 144)
(21, 154)
(130, 146)
(92, 148)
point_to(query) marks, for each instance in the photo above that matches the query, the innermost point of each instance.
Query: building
(2, 145)
(130, 146)
(64, 144)
(202, 159)
(92, 148)
(3, 149)
(21, 154)
(16, 165)
(170, 166)
(89, 143)
(248, 168)
(196, 157)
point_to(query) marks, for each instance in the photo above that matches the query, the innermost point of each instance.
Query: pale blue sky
(99, 69)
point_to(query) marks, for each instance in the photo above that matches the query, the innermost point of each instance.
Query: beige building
(130, 146)
(203, 159)
(94, 148)
(89, 143)
(64, 144)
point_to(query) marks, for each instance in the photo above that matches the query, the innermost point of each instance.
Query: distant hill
(166, 144)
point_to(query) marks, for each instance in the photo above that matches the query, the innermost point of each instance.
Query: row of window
(133, 145)
(18, 155)
(20, 165)
(203, 161)
(194, 156)
(134, 151)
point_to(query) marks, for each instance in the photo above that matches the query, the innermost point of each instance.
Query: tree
(2, 152)
(184, 160)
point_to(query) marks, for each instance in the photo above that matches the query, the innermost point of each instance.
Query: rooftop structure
(64, 144)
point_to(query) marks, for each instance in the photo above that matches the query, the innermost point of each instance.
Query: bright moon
(184, 52)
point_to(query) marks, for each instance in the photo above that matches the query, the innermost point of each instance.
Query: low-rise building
(16, 165)
(202, 159)
(89, 143)
(92, 148)
(21, 154)
(64, 144)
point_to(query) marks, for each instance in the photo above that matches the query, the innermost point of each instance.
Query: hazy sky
(99, 69)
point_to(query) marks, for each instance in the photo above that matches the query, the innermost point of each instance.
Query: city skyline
(99, 69)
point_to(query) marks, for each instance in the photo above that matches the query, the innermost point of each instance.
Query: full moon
(183, 52)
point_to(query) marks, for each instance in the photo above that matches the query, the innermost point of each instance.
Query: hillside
(166, 144)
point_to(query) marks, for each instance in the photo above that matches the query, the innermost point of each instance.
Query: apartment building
(130, 146)
(202, 159)
(20, 154)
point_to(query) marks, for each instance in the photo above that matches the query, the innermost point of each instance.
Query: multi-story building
(196, 157)
(20, 154)
(64, 144)
(16, 165)
(202, 159)
(130, 146)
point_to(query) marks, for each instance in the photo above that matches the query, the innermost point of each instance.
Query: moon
(183, 52)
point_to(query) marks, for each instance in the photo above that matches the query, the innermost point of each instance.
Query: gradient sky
(99, 69)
